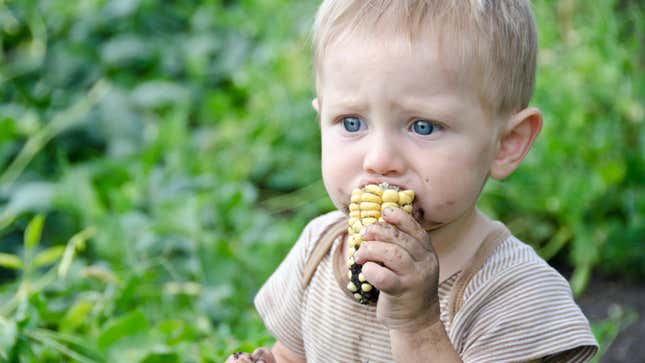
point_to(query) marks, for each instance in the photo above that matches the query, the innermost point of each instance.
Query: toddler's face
(393, 113)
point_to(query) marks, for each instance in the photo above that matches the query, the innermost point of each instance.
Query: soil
(600, 298)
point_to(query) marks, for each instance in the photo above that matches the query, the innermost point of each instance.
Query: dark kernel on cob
(367, 205)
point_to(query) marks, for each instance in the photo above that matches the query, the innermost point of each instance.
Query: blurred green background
(159, 158)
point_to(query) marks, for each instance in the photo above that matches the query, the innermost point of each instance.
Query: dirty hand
(399, 260)
(260, 355)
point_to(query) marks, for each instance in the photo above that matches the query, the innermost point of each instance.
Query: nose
(383, 156)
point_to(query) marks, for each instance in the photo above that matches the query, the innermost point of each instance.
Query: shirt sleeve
(526, 313)
(279, 301)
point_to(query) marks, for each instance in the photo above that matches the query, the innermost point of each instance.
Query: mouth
(417, 212)
(379, 182)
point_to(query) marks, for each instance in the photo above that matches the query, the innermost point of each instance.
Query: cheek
(338, 169)
(454, 183)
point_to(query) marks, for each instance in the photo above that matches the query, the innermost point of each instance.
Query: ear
(315, 105)
(515, 142)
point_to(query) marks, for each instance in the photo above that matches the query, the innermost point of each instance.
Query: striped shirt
(515, 308)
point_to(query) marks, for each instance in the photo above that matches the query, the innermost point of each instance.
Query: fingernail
(387, 210)
(363, 231)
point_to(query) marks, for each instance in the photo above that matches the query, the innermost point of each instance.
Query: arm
(278, 354)
(418, 345)
(399, 260)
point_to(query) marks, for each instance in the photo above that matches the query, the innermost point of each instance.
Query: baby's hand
(399, 260)
(260, 355)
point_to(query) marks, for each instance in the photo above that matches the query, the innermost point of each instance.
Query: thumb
(263, 355)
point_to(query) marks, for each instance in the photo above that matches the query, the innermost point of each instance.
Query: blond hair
(499, 35)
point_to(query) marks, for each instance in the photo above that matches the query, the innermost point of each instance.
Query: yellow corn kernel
(355, 198)
(352, 242)
(389, 205)
(370, 213)
(355, 214)
(354, 207)
(374, 189)
(369, 197)
(361, 277)
(367, 221)
(369, 206)
(390, 195)
(407, 208)
(357, 241)
(366, 287)
(357, 296)
(406, 197)
(351, 287)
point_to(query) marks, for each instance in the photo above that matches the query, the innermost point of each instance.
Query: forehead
(392, 63)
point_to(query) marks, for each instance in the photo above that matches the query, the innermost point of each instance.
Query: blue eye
(352, 124)
(424, 127)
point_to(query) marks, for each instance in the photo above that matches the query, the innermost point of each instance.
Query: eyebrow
(440, 108)
(343, 103)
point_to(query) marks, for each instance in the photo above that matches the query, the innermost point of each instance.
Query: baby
(431, 96)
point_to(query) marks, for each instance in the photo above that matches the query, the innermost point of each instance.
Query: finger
(263, 355)
(391, 255)
(239, 357)
(382, 278)
(404, 222)
(386, 232)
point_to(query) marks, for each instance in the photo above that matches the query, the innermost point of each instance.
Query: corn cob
(365, 208)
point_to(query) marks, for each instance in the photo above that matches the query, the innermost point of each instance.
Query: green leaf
(580, 278)
(76, 315)
(125, 326)
(162, 357)
(8, 260)
(8, 336)
(49, 341)
(48, 256)
(34, 231)
(30, 196)
(77, 242)
(606, 330)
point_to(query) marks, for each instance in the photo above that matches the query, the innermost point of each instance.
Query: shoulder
(280, 300)
(513, 265)
(315, 228)
(519, 299)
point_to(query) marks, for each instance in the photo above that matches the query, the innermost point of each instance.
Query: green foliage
(581, 189)
(158, 159)
(607, 330)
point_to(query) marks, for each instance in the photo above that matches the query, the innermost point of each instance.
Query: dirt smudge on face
(418, 213)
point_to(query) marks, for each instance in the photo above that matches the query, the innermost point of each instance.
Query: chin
(341, 206)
